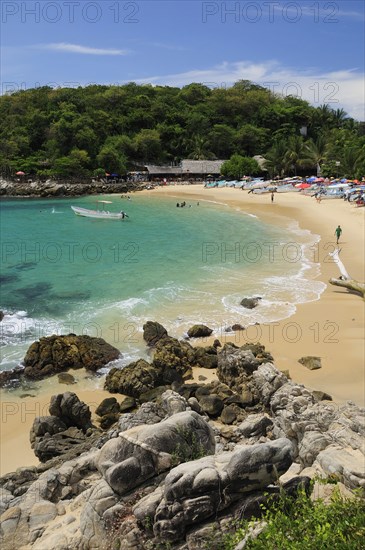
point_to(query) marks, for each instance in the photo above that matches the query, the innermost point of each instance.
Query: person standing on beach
(338, 232)
(272, 196)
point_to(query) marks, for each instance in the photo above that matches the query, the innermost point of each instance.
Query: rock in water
(53, 354)
(250, 303)
(66, 378)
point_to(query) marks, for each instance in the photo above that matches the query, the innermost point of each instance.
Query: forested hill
(86, 131)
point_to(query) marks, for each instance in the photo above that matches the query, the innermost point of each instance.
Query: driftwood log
(345, 280)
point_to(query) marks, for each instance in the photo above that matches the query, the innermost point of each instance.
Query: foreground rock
(53, 354)
(167, 475)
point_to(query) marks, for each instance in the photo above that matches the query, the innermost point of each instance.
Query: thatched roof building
(187, 169)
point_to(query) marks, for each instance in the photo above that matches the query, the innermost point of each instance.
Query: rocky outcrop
(172, 363)
(63, 189)
(53, 354)
(167, 474)
(153, 332)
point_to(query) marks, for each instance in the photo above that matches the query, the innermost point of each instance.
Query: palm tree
(199, 148)
(294, 154)
(339, 117)
(275, 159)
(351, 160)
(315, 153)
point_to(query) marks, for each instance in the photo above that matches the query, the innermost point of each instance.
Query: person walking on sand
(272, 196)
(338, 232)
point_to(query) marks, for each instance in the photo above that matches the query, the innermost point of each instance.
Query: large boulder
(199, 331)
(144, 451)
(153, 332)
(53, 354)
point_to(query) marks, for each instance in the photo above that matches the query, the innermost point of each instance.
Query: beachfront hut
(161, 173)
(199, 169)
(196, 170)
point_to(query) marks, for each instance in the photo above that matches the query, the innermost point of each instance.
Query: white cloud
(341, 89)
(77, 48)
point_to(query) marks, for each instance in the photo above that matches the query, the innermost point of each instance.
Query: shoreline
(331, 327)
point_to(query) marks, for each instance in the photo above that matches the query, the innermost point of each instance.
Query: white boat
(99, 214)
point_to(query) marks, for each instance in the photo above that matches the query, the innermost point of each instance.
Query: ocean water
(61, 273)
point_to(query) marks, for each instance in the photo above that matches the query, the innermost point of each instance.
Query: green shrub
(303, 524)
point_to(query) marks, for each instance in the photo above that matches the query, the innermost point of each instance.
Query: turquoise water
(62, 273)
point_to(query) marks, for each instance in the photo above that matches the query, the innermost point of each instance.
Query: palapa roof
(155, 169)
(187, 166)
(201, 166)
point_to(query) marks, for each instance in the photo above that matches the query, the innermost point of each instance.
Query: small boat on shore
(99, 214)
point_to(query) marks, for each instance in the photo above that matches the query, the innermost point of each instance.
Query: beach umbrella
(302, 185)
(312, 178)
(20, 173)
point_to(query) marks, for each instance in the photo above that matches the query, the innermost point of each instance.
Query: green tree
(112, 159)
(237, 167)
(148, 146)
(251, 139)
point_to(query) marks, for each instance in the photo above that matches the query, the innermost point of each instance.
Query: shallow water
(62, 273)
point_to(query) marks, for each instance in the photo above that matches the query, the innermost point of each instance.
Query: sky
(310, 49)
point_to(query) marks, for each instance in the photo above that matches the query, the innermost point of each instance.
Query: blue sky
(313, 49)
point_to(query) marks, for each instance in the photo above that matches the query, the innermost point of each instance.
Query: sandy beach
(331, 327)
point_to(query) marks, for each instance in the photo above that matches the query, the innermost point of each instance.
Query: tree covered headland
(70, 132)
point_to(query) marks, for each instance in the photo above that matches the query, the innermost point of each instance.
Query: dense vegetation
(304, 524)
(86, 131)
